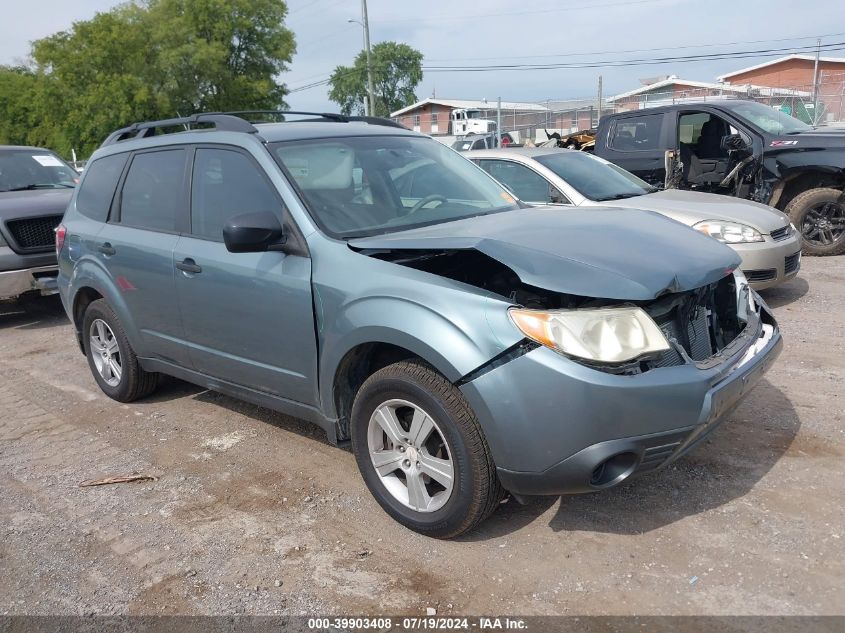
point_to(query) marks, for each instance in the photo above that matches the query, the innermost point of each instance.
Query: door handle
(106, 249)
(188, 265)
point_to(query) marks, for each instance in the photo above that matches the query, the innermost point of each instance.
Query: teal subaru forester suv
(371, 280)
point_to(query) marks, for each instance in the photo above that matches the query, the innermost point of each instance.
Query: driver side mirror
(253, 233)
(734, 142)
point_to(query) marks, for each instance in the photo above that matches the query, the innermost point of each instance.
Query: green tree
(17, 89)
(149, 59)
(397, 70)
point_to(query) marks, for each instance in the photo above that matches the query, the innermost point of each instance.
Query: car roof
(301, 130)
(727, 104)
(525, 152)
(24, 147)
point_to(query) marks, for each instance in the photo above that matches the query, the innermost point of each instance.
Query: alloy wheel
(105, 352)
(410, 455)
(824, 224)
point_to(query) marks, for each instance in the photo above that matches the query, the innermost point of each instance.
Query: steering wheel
(427, 200)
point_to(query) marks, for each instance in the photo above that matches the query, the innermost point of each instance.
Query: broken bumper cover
(558, 427)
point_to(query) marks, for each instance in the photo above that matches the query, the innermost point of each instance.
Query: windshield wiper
(619, 196)
(43, 185)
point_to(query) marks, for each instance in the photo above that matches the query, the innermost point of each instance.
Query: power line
(614, 63)
(638, 50)
(837, 46)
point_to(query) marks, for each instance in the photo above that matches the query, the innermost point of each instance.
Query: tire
(133, 382)
(809, 208)
(456, 436)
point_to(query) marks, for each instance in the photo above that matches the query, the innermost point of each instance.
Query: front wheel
(819, 215)
(421, 451)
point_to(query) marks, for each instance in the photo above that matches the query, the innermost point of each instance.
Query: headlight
(606, 335)
(729, 232)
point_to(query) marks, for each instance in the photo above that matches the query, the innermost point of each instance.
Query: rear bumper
(14, 283)
(553, 424)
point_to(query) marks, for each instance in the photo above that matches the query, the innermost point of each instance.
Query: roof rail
(330, 116)
(221, 121)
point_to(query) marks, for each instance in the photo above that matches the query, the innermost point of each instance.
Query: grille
(35, 232)
(761, 275)
(791, 263)
(780, 234)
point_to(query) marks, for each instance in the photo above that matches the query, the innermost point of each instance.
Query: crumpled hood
(29, 204)
(601, 252)
(691, 207)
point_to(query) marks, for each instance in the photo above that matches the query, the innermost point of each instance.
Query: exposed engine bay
(698, 323)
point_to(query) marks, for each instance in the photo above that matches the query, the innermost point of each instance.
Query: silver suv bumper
(16, 282)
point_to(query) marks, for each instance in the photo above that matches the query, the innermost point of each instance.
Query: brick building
(796, 72)
(431, 116)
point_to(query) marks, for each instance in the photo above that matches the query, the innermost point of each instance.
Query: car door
(248, 317)
(525, 183)
(634, 143)
(136, 248)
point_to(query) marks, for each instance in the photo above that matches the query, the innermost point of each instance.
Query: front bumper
(769, 263)
(14, 283)
(557, 427)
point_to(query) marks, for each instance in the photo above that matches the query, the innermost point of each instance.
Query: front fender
(789, 165)
(453, 341)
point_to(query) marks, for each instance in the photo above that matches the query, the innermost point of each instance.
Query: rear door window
(527, 184)
(226, 183)
(637, 133)
(97, 189)
(153, 194)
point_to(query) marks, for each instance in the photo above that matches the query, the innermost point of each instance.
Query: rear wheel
(421, 451)
(819, 215)
(110, 356)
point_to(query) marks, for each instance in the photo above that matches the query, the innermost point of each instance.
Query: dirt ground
(254, 512)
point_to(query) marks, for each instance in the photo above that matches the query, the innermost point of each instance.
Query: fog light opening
(614, 470)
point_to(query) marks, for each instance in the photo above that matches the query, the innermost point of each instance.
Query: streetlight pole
(369, 64)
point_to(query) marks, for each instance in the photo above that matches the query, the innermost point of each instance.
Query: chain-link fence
(824, 105)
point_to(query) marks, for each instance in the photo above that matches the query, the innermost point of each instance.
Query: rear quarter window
(636, 133)
(97, 189)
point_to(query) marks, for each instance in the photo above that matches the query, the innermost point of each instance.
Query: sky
(450, 33)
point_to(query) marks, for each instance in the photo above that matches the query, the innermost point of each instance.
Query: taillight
(61, 232)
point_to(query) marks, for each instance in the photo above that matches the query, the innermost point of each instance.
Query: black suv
(35, 188)
(740, 148)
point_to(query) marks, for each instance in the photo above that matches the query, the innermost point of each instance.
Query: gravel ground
(254, 512)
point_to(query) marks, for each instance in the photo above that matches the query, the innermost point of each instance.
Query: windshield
(594, 178)
(23, 169)
(770, 120)
(366, 185)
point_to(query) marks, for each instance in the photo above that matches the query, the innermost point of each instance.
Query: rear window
(637, 133)
(153, 192)
(97, 189)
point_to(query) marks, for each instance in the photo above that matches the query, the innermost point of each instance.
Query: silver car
(769, 245)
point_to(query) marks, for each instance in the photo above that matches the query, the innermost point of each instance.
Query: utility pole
(598, 116)
(499, 122)
(369, 63)
(816, 83)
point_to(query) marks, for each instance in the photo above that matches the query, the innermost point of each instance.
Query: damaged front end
(702, 326)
